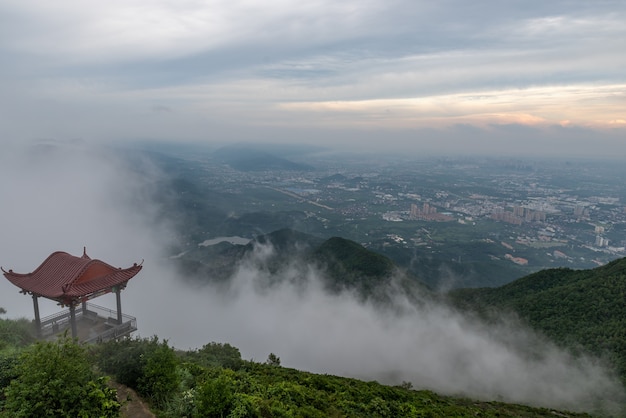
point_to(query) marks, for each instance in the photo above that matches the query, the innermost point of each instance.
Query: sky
(511, 77)
(406, 76)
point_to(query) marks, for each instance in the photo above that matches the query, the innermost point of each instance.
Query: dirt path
(132, 404)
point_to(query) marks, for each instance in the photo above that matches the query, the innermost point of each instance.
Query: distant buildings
(427, 213)
(519, 215)
(581, 211)
(517, 260)
(559, 254)
(601, 241)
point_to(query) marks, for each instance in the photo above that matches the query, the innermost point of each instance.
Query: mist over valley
(340, 209)
(285, 281)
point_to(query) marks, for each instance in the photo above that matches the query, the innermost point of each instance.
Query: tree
(273, 360)
(218, 355)
(15, 332)
(56, 379)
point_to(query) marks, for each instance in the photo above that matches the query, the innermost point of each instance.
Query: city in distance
(453, 222)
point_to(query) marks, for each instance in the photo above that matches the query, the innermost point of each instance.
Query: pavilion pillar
(84, 307)
(37, 317)
(73, 320)
(118, 299)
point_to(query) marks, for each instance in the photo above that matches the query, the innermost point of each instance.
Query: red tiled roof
(64, 277)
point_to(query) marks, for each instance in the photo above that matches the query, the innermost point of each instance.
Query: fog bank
(70, 196)
(432, 346)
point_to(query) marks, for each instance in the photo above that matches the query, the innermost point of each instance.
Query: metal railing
(117, 331)
(59, 322)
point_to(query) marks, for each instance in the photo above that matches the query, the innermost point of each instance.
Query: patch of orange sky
(590, 106)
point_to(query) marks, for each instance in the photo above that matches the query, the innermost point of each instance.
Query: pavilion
(71, 281)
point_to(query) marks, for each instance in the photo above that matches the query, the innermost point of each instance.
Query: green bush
(216, 397)
(56, 379)
(159, 379)
(123, 360)
(217, 355)
(146, 365)
(15, 333)
(8, 363)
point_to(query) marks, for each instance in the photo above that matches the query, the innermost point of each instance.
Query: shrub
(159, 378)
(217, 355)
(56, 379)
(215, 398)
(146, 365)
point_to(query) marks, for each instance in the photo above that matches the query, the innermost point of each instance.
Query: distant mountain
(288, 241)
(573, 307)
(244, 158)
(346, 265)
(350, 265)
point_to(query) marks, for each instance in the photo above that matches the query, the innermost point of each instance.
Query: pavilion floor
(93, 324)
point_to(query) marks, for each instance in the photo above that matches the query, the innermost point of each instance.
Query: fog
(69, 196)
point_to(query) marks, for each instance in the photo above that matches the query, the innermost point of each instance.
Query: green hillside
(585, 308)
(64, 378)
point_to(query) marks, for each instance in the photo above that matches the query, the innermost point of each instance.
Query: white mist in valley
(432, 346)
(68, 197)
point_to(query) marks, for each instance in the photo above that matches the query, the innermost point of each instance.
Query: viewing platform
(93, 324)
(71, 281)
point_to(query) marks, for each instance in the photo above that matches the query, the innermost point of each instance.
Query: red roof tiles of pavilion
(66, 278)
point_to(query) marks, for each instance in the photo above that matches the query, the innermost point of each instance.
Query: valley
(454, 222)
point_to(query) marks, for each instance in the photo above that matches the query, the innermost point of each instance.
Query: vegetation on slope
(56, 379)
(576, 308)
(64, 378)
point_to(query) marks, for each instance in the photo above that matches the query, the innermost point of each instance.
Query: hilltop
(345, 264)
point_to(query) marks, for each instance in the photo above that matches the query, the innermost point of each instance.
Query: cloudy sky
(449, 76)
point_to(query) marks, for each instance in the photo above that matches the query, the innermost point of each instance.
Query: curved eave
(69, 291)
(117, 279)
(23, 282)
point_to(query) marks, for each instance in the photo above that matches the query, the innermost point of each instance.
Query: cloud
(168, 29)
(236, 70)
(430, 345)
(587, 106)
(69, 195)
(66, 195)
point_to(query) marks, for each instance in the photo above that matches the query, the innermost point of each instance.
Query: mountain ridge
(583, 308)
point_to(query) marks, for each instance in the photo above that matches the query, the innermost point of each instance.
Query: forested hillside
(576, 308)
(65, 378)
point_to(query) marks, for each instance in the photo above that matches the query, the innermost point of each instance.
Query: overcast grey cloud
(442, 77)
(328, 71)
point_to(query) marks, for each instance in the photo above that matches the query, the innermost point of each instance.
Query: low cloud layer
(64, 198)
(431, 346)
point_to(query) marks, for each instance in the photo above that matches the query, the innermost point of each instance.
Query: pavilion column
(118, 299)
(73, 320)
(37, 317)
